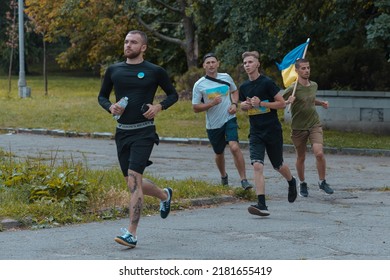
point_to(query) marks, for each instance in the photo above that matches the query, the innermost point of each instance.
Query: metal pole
(23, 90)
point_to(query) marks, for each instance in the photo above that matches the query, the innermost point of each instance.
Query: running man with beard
(136, 135)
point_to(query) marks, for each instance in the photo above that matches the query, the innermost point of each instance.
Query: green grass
(40, 196)
(71, 105)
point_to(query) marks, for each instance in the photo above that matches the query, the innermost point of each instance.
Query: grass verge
(39, 195)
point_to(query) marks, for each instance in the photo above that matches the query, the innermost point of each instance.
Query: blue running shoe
(165, 206)
(324, 186)
(127, 239)
(246, 185)
(303, 190)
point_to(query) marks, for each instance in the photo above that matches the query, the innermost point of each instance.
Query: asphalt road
(351, 224)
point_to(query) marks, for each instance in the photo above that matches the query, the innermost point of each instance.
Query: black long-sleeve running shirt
(139, 82)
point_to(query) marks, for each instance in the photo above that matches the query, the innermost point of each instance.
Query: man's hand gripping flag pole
(288, 69)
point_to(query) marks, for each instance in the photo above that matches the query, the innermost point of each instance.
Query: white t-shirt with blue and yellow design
(204, 88)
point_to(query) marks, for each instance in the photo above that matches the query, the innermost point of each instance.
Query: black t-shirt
(265, 89)
(139, 82)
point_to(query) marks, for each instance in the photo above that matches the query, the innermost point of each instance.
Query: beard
(132, 54)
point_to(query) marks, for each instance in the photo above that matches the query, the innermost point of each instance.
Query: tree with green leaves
(172, 22)
(94, 29)
(181, 31)
(378, 29)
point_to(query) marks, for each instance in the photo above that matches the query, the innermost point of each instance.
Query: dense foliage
(349, 49)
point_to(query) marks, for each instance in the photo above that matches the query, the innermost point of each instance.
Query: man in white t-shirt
(217, 95)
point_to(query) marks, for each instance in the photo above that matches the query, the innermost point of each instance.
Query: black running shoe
(292, 191)
(165, 206)
(259, 210)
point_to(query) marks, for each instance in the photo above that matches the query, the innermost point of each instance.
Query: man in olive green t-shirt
(306, 125)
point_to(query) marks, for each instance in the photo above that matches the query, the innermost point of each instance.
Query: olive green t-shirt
(303, 111)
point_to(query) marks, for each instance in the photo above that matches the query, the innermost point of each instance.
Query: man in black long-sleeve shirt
(136, 135)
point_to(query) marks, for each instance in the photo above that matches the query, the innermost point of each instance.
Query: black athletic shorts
(267, 139)
(134, 148)
(219, 137)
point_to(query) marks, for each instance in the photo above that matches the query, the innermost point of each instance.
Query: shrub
(350, 68)
(185, 83)
(45, 183)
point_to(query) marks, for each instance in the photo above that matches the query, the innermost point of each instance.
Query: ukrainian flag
(287, 65)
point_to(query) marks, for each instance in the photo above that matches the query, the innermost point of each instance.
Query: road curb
(190, 141)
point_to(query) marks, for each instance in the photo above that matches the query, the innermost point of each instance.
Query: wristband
(234, 103)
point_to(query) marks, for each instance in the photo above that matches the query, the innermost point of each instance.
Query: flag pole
(296, 81)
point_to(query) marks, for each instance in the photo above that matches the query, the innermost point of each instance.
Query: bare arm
(234, 98)
(205, 106)
(324, 104)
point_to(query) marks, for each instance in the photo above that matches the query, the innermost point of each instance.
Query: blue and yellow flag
(287, 65)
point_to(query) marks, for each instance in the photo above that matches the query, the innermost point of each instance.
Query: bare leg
(285, 171)
(134, 184)
(300, 165)
(258, 169)
(150, 188)
(238, 158)
(220, 161)
(320, 160)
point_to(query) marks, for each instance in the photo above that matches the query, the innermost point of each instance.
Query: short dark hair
(207, 55)
(142, 34)
(299, 61)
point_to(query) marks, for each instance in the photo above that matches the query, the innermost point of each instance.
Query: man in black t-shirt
(136, 135)
(260, 98)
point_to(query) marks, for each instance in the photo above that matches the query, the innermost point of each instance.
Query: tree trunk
(191, 42)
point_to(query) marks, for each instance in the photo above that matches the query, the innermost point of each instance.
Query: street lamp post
(24, 91)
